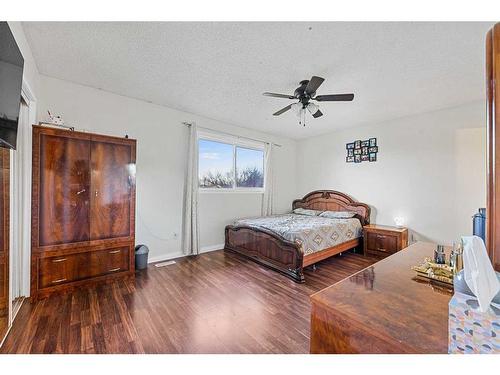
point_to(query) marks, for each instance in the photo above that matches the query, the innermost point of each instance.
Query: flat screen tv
(11, 80)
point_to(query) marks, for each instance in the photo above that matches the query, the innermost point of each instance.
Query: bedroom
(175, 113)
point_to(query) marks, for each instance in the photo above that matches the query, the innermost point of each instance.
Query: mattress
(312, 233)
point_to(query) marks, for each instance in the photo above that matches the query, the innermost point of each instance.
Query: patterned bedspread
(313, 233)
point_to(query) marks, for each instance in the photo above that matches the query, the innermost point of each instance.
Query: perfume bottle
(459, 258)
(439, 255)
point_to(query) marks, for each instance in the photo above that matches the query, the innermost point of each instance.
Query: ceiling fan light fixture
(312, 108)
(297, 107)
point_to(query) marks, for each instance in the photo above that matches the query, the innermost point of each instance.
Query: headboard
(330, 200)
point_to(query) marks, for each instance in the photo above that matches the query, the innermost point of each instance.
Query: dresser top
(375, 227)
(386, 300)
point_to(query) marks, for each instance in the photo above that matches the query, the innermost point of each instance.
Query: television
(11, 80)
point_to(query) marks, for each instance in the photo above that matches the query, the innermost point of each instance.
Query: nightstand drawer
(386, 243)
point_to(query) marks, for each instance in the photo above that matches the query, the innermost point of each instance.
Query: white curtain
(267, 198)
(190, 234)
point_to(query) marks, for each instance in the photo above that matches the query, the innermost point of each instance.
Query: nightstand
(382, 240)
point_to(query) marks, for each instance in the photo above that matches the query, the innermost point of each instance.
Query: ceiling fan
(305, 93)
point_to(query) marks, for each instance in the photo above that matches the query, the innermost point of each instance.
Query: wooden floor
(212, 303)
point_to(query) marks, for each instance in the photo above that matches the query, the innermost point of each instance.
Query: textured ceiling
(219, 70)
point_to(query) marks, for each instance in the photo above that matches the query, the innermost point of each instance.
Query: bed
(288, 243)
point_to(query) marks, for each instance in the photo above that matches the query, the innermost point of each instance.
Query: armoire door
(4, 241)
(63, 190)
(112, 186)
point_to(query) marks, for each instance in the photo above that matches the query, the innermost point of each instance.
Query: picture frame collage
(359, 151)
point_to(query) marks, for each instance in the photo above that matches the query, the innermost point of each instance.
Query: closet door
(112, 188)
(63, 189)
(4, 241)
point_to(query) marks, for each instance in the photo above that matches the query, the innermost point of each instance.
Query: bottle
(459, 259)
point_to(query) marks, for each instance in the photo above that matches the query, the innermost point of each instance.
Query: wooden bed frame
(274, 251)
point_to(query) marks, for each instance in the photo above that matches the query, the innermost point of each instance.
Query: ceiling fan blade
(317, 114)
(283, 110)
(313, 85)
(335, 98)
(272, 94)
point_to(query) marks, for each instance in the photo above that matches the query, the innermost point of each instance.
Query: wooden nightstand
(382, 240)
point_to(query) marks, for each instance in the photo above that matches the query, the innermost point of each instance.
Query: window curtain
(190, 233)
(267, 198)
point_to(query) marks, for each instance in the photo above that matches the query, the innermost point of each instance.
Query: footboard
(266, 248)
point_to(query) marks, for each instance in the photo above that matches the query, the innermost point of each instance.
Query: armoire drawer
(109, 261)
(63, 269)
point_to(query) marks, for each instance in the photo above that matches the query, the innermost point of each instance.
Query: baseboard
(206, 249)
(161, 258)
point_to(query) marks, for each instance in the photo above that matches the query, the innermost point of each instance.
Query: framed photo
(349, 146)
(365, 143)
(357, 151)
(373, 156)
(373, 142)
(357, 144)
(349, 159)
(357, 158)
(350, 152)
(373, 149)
(364, 150)
(364, 157)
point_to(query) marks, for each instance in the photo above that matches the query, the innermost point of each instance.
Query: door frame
(23, 217)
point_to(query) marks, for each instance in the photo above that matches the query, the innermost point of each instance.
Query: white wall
(431, 169)
(161, 162)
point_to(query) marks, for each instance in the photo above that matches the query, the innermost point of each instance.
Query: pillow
(338, 214)
(303, 211)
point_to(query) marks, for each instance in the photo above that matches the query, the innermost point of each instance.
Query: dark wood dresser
(382, 240)
(382, 309)
(83, 209)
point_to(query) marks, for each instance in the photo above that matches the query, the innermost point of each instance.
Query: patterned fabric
(313, 233)
(470, 330)
(338, 214)
(303, 211)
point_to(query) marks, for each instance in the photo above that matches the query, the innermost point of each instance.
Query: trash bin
(141, 257)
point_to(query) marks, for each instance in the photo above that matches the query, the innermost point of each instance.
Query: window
(225, 164)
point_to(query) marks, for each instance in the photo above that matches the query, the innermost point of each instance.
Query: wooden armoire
(493, 131)
(83, 209)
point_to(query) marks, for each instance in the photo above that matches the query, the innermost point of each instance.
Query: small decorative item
(362, 150)
(56, 120)
(434, 272)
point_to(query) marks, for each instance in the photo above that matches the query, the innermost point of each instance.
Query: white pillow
(338, 214)
(303, 211)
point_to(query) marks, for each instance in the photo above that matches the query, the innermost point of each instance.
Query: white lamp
(399, 221)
